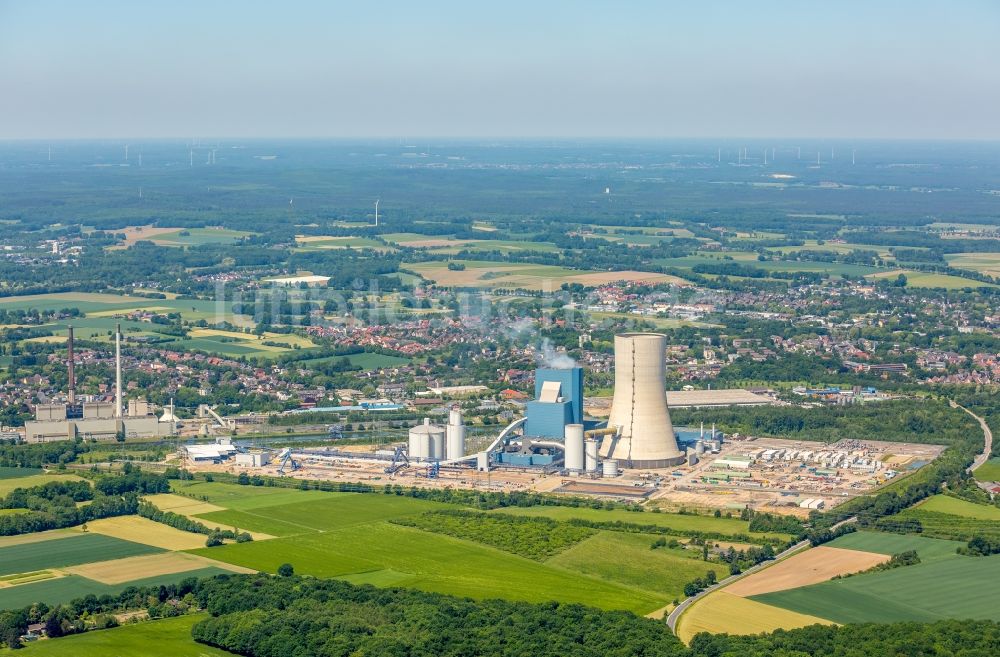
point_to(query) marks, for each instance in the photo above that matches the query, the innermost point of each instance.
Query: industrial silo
(645, 436)
(437, 443)
(574, 447)
(699, 448)
(455, 435)
(590, 455)
(609, 468)
(426, 441)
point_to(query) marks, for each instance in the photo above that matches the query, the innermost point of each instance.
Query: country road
(987, 434)
(687, 602)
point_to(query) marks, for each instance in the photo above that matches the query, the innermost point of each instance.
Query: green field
(103, 307)
(335, 511)
(170, 637)
(947, 517)
(349, 536)
(64, 589)
(929, 549)
(957, 587)
(749, 259)
(984, 263)
(989, 471)
(365, 361)
(72, 550)
(341, 243)
(430, 562)
(944, 585)
(635, 564)
(956, 507)
(7, 484)
(199, 236)
(14, 473)
(244, 498)
(931, 280)
(675, 521)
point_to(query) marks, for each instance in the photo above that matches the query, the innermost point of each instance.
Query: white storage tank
(455, 435)
(419, 446)
(483, 461)
(590, 455)
(574, 447)
(437, 444)
(426, 441)
(609, 468)
(692, 459)
(699, 448)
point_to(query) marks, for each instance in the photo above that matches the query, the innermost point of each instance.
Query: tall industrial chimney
(72, 371)
(118, 370)
(645, 437)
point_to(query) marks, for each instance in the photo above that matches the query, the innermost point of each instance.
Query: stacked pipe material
(639, 410)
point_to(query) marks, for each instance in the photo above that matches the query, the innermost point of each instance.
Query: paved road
(687, 602)
(987, 434)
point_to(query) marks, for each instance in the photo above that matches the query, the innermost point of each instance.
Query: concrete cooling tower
(639, 410)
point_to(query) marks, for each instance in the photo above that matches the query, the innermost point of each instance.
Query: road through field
(687, 602)
(987, 434)
(679, 609)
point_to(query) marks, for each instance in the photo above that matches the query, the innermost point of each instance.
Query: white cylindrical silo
(483, 461)
(437, 443)
(609, 468)
(455, 436)
(590, 455)
(699, 447)
(574, 447)
(419, 446)
(645, 436)
(426, 441)
(692, 459)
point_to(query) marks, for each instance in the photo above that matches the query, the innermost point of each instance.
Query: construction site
(635, 454)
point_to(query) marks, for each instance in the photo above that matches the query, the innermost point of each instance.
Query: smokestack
(118, 370)
(72, 371)
(639, 410)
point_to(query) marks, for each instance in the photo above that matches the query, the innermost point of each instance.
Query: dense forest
(275, 617)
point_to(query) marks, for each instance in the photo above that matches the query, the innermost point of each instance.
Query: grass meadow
(989, 471)
(170, 637)
(351, 536)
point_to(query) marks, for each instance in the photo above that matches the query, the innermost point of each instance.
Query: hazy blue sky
(836, 68)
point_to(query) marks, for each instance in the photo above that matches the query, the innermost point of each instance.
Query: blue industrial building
(558, 402)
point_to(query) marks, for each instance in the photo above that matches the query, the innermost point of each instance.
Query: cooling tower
(639, 409)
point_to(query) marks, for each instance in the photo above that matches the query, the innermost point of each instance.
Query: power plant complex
(555, 435)
(96, 420)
